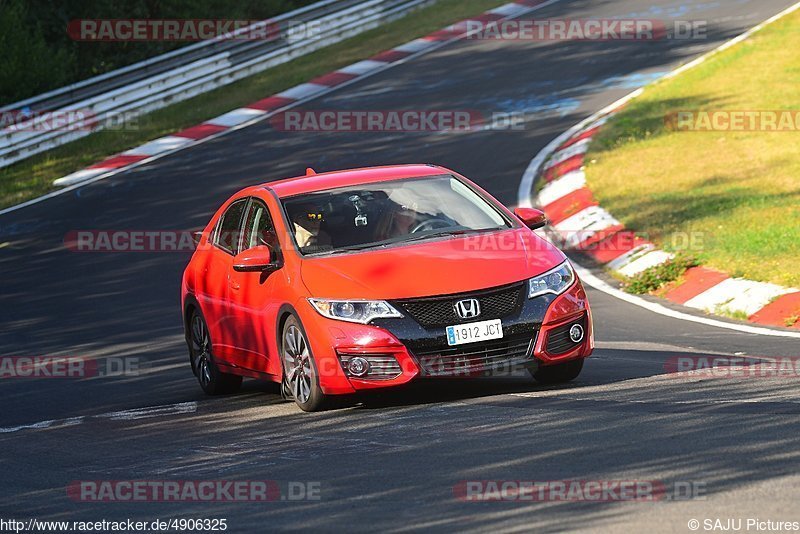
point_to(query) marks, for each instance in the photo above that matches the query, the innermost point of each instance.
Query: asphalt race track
(392, 461)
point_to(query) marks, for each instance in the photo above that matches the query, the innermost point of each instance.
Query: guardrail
(183, 73)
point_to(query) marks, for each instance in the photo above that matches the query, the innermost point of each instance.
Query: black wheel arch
(190, 304)
(284, 312)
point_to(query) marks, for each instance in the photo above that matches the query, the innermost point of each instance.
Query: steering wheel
(431, 224)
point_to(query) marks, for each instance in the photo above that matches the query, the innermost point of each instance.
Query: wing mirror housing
(256, 259)
(532, 218)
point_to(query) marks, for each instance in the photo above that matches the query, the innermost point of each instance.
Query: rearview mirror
(532, 218)
(254, 259)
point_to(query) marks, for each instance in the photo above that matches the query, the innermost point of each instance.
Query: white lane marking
(644, 262)
(585, 224)
(124, 415)
(339, 87)
(573, 150)
(155, 411)
(156, 146)
(72, 421)
(508, 10)
(363, 67)
(40, 424)
(413, 46)
(235, 117)
(80, 176)
(599, 122)
(636, 252)
(461, 25)
(589, 278)
(557, 189)
(737, 295)
(304, 90)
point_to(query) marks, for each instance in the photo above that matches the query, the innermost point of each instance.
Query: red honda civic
(340, 282)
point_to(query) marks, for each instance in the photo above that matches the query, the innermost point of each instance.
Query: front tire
(211, 379)
(560, 373)
(300, 376)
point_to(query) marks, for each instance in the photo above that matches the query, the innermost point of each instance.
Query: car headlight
(555, 281)
(354, 311)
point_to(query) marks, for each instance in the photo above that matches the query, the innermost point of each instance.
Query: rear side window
(227, 236)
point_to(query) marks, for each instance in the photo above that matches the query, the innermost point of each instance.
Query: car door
(252, 298)
(213, 291)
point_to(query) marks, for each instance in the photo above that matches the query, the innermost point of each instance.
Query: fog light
(358, 366)
(576, 333)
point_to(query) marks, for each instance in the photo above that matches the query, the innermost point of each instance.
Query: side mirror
(532, 218)
(256, 259)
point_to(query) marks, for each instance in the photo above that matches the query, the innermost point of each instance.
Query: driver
(307, 220)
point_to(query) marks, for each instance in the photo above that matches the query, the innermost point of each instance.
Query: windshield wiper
(352, 248)
(449, 233)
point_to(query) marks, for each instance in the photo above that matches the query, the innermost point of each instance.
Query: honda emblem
(467, 308)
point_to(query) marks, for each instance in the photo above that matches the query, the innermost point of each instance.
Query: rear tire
(300, 375)
(211, 379)
(560, 373)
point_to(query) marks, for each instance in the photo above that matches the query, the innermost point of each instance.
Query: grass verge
(736, 192)
(654, 278)
(34, 176)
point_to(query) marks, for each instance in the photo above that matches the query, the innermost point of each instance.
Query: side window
(259, 230)
(227, 235)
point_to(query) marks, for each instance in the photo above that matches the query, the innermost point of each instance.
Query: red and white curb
(263, 109)
(579, 223)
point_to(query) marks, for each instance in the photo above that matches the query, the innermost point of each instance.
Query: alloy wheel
(201, 351)
(297, 363)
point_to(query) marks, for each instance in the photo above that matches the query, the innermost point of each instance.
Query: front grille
(439, 311)
(558, 340)
(501, 354)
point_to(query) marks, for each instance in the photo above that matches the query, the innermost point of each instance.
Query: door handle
(233, 284)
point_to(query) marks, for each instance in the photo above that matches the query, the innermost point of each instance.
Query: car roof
(367, 175)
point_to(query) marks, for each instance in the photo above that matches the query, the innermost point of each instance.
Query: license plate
(472, 332)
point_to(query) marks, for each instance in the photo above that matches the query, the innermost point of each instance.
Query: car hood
(438, 267)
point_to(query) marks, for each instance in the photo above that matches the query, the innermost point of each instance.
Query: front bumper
(533, 335)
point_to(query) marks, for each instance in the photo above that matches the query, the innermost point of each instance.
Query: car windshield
(377, 214)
